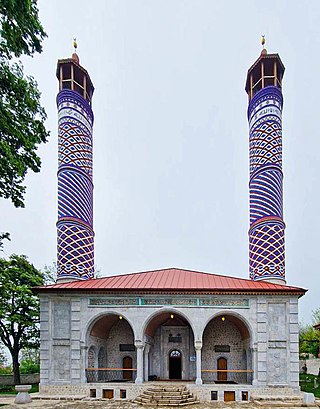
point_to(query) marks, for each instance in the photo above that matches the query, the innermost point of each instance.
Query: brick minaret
(266, 233)
(75, 187)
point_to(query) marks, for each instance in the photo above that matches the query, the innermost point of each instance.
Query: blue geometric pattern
(266, 195)
(75, 188)
(266, 234)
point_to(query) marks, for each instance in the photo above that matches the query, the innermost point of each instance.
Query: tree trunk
(16, 367)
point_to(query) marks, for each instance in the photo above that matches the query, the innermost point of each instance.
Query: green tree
(19, 307)
(309, 337)
(21, 114)
(30, 361)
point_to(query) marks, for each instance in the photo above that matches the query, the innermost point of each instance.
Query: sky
(171, 161)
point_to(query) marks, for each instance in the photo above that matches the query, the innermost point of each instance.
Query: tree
(309, 337)
(19, 307)
(30, 361)
(21, 114)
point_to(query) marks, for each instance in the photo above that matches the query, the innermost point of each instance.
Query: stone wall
(120, 333)
(26, 379)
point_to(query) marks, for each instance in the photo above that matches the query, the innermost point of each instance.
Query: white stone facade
(89, 330)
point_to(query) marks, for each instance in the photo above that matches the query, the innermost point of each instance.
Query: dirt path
(8, 403)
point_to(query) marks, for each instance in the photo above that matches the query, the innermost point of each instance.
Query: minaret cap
(73, 76)
(266, 71)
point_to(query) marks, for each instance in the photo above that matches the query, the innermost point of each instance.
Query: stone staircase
(166, 396)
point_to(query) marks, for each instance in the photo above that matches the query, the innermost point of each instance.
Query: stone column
(254, 358)
(146, 361)
(198, 347)
(139, 347)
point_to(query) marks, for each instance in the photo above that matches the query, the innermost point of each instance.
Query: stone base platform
(127, 391)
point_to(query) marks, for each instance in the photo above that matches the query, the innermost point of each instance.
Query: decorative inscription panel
(61, 363)
(276, 366)
(61, 319)
(277, 322)
(172, 301)
(107, 301)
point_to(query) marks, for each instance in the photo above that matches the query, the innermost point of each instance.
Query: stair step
(166, 396)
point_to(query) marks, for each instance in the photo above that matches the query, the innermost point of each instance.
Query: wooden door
(229, 396)
(127, 364)
(222, 365)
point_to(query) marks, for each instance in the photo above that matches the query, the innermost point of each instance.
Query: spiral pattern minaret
(75, 259)
(266, 233)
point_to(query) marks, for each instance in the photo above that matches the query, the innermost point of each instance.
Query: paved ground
(8, 403)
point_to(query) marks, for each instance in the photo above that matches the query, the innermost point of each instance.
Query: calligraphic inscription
(222, 348)
(107, 301)
(127, 347)
(214, 302)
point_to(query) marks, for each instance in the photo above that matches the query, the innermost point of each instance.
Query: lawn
(9, 390)
(308, 383)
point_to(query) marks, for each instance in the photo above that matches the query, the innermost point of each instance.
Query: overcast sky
(171, 134)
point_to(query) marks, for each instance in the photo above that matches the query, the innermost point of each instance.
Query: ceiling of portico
(102, 326)
(165, 319)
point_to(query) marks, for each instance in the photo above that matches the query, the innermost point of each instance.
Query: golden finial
(263, 40)
(75, 45)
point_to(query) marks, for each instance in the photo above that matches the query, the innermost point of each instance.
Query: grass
(9, 390)
(307, 383)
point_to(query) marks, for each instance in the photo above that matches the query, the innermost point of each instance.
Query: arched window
(91, 357)
(102, 358)
(175, 354)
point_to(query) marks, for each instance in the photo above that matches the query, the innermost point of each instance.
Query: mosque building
(225, 338)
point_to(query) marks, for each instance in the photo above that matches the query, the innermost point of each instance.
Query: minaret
(75, 188)
(266, 233)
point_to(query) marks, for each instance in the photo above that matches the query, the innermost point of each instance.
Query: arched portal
(226, 352)
(171, 353)
(112, 336)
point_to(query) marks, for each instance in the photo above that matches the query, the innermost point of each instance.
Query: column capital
(198, 345)
(147, 348)
(139, 344)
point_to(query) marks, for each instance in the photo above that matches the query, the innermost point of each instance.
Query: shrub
(29, 366)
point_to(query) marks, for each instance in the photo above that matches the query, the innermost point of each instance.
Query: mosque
(225, 338)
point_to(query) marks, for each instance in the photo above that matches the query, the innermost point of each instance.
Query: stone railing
(110, 375)
(26, 379)
(231, 376)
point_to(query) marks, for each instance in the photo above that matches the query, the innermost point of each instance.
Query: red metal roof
(172, 279)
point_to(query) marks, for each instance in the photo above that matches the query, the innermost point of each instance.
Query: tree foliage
(21, 114)
(309, 337)
(30, 361)
(19, 307)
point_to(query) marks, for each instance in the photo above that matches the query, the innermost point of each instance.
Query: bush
(6, 388)
(5, 370)
(28, 366)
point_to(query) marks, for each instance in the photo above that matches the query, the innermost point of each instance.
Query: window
(175, 354)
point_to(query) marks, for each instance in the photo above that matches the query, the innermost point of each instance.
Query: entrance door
(175, 365)
(127, 364)
(222, 364)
